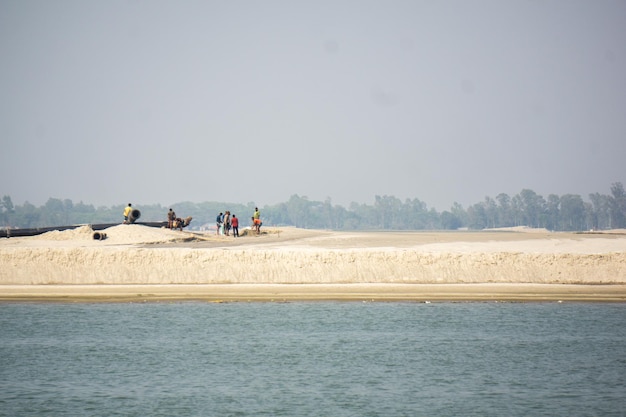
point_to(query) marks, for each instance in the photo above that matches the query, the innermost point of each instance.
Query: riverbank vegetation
(568, 212)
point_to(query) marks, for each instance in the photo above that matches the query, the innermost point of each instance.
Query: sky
(159, 102)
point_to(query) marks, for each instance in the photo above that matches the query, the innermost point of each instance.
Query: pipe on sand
(134, 215)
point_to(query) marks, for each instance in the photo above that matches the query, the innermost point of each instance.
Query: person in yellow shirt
(127, 211)
(256, 220)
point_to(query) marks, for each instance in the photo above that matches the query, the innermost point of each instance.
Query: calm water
(313, 359)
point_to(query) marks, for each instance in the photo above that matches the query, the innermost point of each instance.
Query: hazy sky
(110, 102)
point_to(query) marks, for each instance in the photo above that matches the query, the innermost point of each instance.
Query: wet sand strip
(315, 292)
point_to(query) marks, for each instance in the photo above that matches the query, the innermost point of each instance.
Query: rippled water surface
(313, 359)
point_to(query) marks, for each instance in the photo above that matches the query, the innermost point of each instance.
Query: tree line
(569, 212)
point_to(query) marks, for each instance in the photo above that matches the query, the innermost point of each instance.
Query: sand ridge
(141, 255)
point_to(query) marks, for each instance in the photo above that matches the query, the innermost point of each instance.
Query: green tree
(505, 216)
(6, 211)
(491, 212)
(54, 213)
(617, 206)
(572, 212)
(298, 210)
(517, 210)
(589, 218)
(388, 211)
(83, 213)
(28, 216)
(568, 212)
(533, 208)
(330, 219)
(601, 213)
(449, 221)
(477, 217)
(415, 215)
(351, 220)
(553, 212)
(459, 213)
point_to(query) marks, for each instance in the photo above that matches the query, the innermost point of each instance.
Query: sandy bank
(317, 292)
(139, 255)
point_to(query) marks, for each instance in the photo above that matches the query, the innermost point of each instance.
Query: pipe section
(134, 215)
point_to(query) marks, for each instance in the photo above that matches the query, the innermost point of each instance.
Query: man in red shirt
(234, 223)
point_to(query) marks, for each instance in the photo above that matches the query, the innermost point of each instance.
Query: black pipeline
(134, 215)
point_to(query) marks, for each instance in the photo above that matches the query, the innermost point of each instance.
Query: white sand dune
(134, 254)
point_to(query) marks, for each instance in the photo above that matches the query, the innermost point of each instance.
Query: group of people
(225, 222)
(174, 222)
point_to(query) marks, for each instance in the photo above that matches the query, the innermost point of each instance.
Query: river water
(313, 359)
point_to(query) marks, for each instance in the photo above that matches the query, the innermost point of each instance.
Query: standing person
(256, 220)
(127, 211)
(226, 222)
(171, 216)
(235, 223)
(218, 223)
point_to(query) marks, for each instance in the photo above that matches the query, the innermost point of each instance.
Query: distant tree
(366, 216)
(617, 206)
(7, 204)
(572, 212)
(459, 213)
(414, 215)
(6, 211)
(553, 215)
(568, 212)
(589, 218)
(317, 212)
(491, 212)
(533, 208)
(476, 216)
(276, 215)
(449, 221)
(353, 220)
(298, 210)
(342, 215)
(83, 214)
(505, 216)
(54, 213)
(601, 212)
(28, 216)
(388, 212)
(331, 220)
(433, 220)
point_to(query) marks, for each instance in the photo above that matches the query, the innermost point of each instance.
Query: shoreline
(479, 292)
